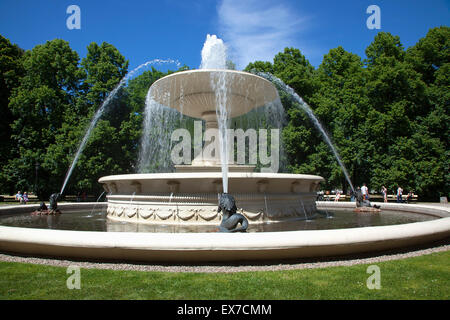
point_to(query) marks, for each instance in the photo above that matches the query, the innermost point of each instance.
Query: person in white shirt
(384, 192)
(365, 192)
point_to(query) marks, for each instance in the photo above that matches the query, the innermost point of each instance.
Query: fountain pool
(165, 243)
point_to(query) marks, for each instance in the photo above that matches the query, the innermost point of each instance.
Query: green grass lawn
(424, 277)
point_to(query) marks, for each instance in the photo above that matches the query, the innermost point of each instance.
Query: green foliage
(387, 115)
(47, 89)
(11, 71)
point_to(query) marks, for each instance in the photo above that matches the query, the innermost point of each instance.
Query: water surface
(89, 220)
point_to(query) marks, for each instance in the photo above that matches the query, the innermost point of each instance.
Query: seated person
(338, 195)
(25, 197)
(19, 196)
(409, 197)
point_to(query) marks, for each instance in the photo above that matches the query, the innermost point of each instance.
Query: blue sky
(252, 29)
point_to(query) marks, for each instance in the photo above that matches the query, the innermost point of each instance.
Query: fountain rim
(198, 247)
(210, 71)
(208, 175)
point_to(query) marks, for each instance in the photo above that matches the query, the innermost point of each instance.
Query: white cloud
(258, 29)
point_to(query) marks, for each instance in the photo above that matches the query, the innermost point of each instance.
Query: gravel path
(246, 267)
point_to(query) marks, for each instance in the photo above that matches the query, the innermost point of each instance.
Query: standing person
(365, 192)
(399, 194)
(384, 193)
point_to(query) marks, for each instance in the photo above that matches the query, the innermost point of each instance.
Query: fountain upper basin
(192, 92)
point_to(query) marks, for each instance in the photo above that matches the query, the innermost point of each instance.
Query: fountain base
(188, 198)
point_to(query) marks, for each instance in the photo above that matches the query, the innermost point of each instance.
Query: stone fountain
(190, 195)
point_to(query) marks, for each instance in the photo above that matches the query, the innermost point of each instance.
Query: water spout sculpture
(53, 206)
(363, 204)
(230, 218)
(54, 201)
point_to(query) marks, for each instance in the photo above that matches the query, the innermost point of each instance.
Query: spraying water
(102, 109)
(304, 210)
(159, 123)
(214, 53)
(305, 107)
(219, 82)
(214, 56)
(98, 199)
(265, 204)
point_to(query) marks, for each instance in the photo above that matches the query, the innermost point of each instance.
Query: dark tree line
(388, 114)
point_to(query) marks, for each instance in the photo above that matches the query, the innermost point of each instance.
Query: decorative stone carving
(262, 186)
(112, 187)
(119, 211)
(295, 187)
(217, 185)
(186, 214)
(137, 187)
(131, 212)
(106, 188)
(314, 187)
(174, 186)
(110, 210)
(146, 212)
(163, 214)
(179, 208)
(207, 214)
(251, 216)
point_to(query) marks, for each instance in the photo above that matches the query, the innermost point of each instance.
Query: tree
(10, 73)
(259, 66)
(49, 85)
(405, 151)
(294, 69)
(104, 68)
(341, 105)
(430, 57)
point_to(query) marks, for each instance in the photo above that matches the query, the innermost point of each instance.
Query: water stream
(304, 210)
(102, 109)
(214, 56)
(95, 205)
(305, 107)
(155, 146)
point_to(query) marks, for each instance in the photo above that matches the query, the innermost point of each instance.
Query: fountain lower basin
(191, 198)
